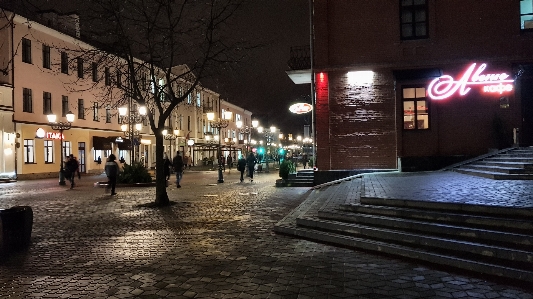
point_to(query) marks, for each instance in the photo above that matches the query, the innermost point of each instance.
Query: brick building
(417, 84)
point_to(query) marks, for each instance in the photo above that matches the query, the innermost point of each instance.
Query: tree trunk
(161, 196)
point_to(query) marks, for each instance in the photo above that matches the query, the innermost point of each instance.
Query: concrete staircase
(510, 164)
(302, 178)
(493, 241)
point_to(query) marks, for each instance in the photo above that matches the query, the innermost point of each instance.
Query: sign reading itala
(474, 77)
(41, 133)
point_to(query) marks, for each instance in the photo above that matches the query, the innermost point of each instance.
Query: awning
(124, 145)
(101, 143)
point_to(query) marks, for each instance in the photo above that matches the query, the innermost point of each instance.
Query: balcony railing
(300, 58)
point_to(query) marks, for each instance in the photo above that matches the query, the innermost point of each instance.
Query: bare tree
(163, 49)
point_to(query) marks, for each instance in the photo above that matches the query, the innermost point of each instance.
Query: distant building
(418, 84)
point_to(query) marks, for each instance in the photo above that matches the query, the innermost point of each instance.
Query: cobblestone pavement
(216, 241)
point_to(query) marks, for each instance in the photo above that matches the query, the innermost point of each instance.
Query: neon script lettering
(445, 86)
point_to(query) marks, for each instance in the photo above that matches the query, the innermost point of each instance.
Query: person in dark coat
(167, 165)
(250, 162)
(71, 166)
(177, 162)
(111, 170)
(241, 166)
(229, 160)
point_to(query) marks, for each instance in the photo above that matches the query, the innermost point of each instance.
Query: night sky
(260, 84)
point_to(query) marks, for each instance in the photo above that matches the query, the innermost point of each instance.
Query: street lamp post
(268, 134)
(128, 120)
(61, 126)
(170, 137)
(248, 131)
(219, 124)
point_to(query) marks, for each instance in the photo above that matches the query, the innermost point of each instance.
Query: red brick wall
(361, 132)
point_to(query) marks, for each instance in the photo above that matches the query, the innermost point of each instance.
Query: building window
(26, 50)
(107, 77)
(107, 114)
(414, 19)
(188, 123)
(47, 103)
(64, 62)
(81, 109)
(48, 151)
(46, 57)
(64, 106)
(27, 101)
(95, 71)
(67, 148)
(198, 99)
(415, 108)
(79, 61)
(29, 154)
(119, 78)
(526, 14)
(95, 111)
(189, 98)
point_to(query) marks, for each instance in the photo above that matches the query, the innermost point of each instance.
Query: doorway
(81, 156)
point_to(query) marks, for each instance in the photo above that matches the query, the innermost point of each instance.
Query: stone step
(506, 164)
(417, 254)
(518, 159)
(486, 236)
(494, 175)
(520, 259)
(498, 169)
(479, 212)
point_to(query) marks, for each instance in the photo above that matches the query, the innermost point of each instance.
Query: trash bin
(15, 228)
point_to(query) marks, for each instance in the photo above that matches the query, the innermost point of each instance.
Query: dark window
(95, 111)
(188, 123)
(27, 101)
(26, 50)
(79, 61)
(107, 115)
(107, 77)
(119, 78)
(64, 62)
(526, 15)
(415, 108)
(414, 19)
(95, 71)
(47, 103)
(46, 57)
(64, 105)
(81, 109)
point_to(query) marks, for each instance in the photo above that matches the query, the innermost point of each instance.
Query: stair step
(497, 169)
(408, 252)
(494, 175)
(499, 255)
(518, 241)
(496, 211)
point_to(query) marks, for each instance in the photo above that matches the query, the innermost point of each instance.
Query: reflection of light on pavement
(210, 195)
(244, 193)
(212, 184)
(253, 193)
(138, 244)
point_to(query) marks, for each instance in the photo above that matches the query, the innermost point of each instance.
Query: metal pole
(61, 169)
(220, 175)
(313, 113)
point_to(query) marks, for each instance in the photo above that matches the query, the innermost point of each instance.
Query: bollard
(16, 225)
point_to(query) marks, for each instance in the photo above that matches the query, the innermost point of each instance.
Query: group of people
(247, 163)
(72, 166)
(178, 164)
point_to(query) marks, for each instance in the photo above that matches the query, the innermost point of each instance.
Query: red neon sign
(445, 86)
(41, 133)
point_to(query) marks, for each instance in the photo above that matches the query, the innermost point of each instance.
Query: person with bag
(71, 167)
(167, 165)
(250, 162)
(111, 170)
(177, 162)
(241, 166)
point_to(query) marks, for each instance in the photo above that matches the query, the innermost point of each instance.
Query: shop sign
(300, 108)
(41, 133)
(445, 86)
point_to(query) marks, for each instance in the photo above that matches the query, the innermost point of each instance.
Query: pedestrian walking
(229, 160)
(167, 164)
(250, 162)
(222, 162)
(78, 168)
(177, 162)
(241, 166)
(304, 160)
(71, 167)
(111, 170)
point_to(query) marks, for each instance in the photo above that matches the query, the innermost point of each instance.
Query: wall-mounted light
(361, 78)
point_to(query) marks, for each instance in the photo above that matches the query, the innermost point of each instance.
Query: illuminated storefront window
(415, 108)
